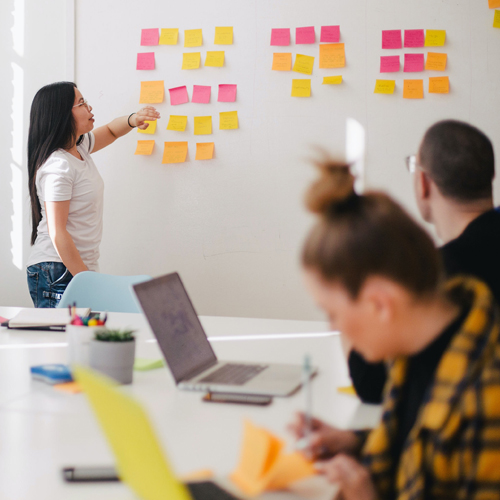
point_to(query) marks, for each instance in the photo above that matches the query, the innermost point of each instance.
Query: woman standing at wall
(66, 189)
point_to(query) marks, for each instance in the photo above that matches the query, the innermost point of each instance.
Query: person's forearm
(65, 247)
(120, 126)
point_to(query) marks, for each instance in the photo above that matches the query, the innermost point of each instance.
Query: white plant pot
(79, 338)
(114, 359)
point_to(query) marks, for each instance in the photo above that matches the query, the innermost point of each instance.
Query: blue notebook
(51, 374)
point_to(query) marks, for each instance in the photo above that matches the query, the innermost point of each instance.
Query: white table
(42, 430)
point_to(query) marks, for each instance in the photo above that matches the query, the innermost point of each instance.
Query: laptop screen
(176, 326)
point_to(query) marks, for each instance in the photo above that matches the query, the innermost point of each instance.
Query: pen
(306, 384)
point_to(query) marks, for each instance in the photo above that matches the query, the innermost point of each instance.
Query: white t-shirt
(64, 177)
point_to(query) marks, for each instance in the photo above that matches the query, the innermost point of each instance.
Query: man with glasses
(452, 173)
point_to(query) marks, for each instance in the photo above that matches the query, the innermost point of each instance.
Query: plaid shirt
(453, 449)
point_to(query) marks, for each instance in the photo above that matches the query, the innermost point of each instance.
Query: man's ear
(423, 183)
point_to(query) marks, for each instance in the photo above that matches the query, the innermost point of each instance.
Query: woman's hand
(325, 441)
(147, 113)
(353, 479)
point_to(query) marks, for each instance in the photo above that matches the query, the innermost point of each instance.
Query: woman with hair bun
(66, 189)
(377, 275)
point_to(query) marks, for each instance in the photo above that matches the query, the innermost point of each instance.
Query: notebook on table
(43, 319)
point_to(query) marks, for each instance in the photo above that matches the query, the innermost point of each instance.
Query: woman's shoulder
(56, 163)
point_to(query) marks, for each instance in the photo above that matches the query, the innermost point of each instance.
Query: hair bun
(334, 187)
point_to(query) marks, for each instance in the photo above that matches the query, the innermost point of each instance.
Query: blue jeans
(47, 282)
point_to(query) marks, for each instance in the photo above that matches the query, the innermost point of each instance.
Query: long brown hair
(358, 236)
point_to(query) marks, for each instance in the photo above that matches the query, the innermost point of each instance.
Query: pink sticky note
(280, 36)
(150, 36)
(389, 64)
(305, 35)
(178, 95)
(391, 39)
(201, 94)
(227, 93)
(146, 60)
(330, 34)
(414, 38)
(414, 62)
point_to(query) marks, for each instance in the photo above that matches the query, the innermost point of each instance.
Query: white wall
(33, 53)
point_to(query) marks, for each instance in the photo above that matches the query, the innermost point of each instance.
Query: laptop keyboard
(207, 490)
(233, 374)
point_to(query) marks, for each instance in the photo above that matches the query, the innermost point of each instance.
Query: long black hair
(52, 127)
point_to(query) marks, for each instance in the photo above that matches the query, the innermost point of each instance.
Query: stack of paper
(32, 318)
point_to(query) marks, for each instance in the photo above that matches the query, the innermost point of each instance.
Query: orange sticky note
(413, 89)
(144, 148)
(303, 64)
(494, 4)
(436, 61)
(439, 85)
(175, 152)
(287, 469)
(204, 150)
(332, 55)
(282, 61)
(69, 387)
(152, 92)
(193, 38)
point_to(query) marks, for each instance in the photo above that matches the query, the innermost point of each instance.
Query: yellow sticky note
(348, 389)
(223, 35)
(169, 36)
(332, 80)
(303, 64)
(385, 86)
(177, 123)
(144, 148)
(215, 58)
(301, 88)
(175, 152)
(204, 150)
(493, 4)
(332, 55)
(191, 60)
(436, 61)
(193, 38)
(282, 61)
(435, 38)
(439, 85)
(228, 120)
(496, 19)
(413, 89)
(152, 92)
(202, 125)
(151, 127)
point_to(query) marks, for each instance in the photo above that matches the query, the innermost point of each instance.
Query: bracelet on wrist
(128, 120)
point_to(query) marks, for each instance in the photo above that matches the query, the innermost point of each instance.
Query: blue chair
(103, 292)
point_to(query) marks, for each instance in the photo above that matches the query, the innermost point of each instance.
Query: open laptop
(190, 356)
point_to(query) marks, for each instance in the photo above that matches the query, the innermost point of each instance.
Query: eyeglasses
(411, 164)
(84, 103)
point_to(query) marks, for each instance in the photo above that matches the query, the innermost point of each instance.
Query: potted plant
(112, 352)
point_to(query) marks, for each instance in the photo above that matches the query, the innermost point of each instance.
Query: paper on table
(228, 120)
(496, 19)
(305, 35)
(391, 39)
(280, 36)
(152, 92)
(227, 93)
(223, 35)
(145, 364)
(414, 38)
(215, 58)
(201, 94)
(436, 61)
(493, 4)
(304, 64)
(178, 95)
(439, 85)
(151, 127)
(385, 86)
(330, 34)
(193, 38)
(301, 88)
(149, 36)
(389, 64)
(413, 89)
(332, 80)
(191, 60)
(414, 63)
(144, 148)
(202, 125)
(146, 60)
(435, 38)
(204, 150)
(169, 36)
(332, 55)
(175, 152)
(177, 123)
(32, 317)
(282, 61)
(69, 387)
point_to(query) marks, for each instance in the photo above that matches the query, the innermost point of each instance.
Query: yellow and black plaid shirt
(453, 449)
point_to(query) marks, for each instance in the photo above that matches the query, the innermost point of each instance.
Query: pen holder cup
(79, 338)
